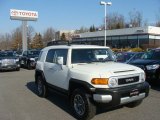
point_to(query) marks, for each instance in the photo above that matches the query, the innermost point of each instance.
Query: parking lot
(19, 101)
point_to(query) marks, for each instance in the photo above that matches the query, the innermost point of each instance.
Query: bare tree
(48, 35)
(114, 21)
(5, 41)
(136, 18)
(157, 24)
(17, 39)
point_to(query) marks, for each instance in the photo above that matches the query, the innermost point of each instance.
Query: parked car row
(10, 60)
(29, 58)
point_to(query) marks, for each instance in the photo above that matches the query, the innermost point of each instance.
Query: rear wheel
(82, 107)
(41, 87)
(158, 78)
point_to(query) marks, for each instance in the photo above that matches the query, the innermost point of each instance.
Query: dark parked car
(150, 63)
(124, 56)
(29, 58)
(9, 61)
(137, 55)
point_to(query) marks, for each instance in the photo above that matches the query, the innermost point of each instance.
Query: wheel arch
(39, 73)
(75, 83)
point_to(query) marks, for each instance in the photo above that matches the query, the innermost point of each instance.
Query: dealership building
(145, 37)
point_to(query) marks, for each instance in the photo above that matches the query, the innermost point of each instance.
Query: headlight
(152, 67)
(33, 59)
(17, 60)
(113, 82)
(142, 77)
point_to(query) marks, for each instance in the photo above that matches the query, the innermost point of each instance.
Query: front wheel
(82, 107)
(17, 69)
(41, 87)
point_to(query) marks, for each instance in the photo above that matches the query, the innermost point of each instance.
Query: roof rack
(59, 42)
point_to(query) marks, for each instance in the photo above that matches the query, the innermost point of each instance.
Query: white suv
(89, 76)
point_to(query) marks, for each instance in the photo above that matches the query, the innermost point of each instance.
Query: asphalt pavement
(19, 101)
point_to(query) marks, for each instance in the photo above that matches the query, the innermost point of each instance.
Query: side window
(39, 57)
(61, 53)
(50, 56)
(54, 53)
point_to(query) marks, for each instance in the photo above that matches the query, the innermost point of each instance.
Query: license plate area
(134, 92)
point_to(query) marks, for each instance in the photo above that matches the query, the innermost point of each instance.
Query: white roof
(72, 47)
(125, 31)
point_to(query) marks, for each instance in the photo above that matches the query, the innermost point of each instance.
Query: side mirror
(60, 60)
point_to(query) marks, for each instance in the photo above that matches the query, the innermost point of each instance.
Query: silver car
(9, 61)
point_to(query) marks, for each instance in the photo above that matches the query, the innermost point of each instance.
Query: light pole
(105, 14)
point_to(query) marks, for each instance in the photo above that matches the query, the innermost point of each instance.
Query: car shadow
(63, 102)
(57, 99)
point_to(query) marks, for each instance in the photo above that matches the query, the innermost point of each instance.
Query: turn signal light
(99, 81)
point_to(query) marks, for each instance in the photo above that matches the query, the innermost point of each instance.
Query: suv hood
(103, 68)
(144, 62)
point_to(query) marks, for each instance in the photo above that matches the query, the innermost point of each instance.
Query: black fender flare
(39, 73)
(75, 83)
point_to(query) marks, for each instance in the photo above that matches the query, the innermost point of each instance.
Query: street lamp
(105, 4)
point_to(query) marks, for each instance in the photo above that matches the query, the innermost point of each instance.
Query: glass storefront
(142, 40)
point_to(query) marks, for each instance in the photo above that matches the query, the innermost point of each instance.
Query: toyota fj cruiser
(89, 76)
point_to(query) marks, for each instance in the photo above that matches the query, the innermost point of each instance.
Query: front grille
(8, 62)
(122, 81)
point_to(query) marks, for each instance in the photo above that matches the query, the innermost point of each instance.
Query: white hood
(111, 68)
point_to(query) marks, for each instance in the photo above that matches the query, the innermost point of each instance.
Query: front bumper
(122, 95)
(152, 74)
(9, 67)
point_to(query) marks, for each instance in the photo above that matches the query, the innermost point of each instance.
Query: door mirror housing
(60, 60)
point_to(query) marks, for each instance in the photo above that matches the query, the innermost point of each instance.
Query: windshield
(33, 53)
(91, 55)
(152, 55)
(7, 54)
(123, 57)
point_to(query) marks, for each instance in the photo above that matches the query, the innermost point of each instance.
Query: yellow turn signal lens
(99, 81)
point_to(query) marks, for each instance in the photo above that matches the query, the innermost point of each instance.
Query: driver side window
(53, 54)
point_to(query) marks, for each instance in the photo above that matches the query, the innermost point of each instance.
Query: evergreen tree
(63, 36)
(37, 41)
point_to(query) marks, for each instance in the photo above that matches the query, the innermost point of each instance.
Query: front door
(56, 74)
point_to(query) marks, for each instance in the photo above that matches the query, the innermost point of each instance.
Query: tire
(41, 87)
(134, 104)
(81, 105)
(17, 69)
(29, 66)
